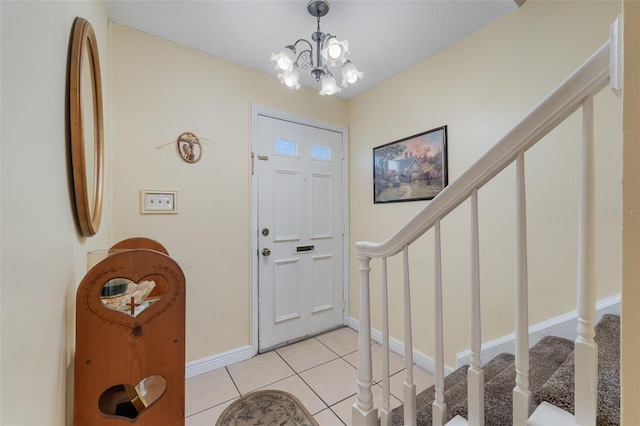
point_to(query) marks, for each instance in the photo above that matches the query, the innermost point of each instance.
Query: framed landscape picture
(411, 169)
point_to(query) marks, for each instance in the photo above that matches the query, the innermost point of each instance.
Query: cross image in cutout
(133, 305)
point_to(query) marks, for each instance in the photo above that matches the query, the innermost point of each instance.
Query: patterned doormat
(266, 407)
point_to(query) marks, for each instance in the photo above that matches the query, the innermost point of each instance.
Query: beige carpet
(266, 407)
(551, 379)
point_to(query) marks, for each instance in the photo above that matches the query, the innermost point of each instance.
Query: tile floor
(320, 372)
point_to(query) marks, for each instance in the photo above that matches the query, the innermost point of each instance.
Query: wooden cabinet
(131, 366)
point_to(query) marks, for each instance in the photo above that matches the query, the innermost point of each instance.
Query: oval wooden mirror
(87, 127)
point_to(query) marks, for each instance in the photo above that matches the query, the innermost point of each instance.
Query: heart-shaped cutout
(130, 401)
(123, 295)
(128, 297)
(136, 266)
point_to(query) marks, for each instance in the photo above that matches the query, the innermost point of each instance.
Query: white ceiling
(385, 36)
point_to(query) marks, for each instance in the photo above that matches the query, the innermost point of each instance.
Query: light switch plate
(158, 201)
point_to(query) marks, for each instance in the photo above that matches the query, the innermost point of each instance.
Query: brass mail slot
(302, 249)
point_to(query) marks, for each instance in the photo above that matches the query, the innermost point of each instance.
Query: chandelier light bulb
(335, 52)
(350, 74)
(283, 60)
(289, 81)
(329, 86)
(290, 78)
(283, 64)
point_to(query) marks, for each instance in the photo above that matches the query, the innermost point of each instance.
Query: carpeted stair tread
(559, 389)
(551, 372)
(455, 390)
(458, 406)
(544, 358)
(426, 397)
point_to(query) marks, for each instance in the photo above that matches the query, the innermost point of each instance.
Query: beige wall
(159, 91)
(155, 90)
(43, 254)
(630, 370)
(480, 87)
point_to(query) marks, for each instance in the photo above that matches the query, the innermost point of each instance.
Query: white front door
(300, 231)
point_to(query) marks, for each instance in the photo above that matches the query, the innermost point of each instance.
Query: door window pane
(284, 147)
(320, 152)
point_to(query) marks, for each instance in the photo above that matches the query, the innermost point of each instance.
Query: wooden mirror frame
(89, 211)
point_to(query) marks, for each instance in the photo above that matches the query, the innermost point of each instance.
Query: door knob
(266, 252)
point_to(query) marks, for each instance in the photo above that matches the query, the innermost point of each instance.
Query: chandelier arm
(306, 41)
(306, 56)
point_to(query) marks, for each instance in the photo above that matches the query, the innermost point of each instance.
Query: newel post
(364, 412)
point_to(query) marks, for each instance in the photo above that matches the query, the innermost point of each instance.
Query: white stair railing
(475, 374)
(439, 406)
(409, 395)
(385, 415)
(575, 92)
(364, 411)
(521, 393)
(586, 349)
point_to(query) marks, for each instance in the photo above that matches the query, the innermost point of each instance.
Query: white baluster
(364, 412)
(409, 386)
(521, 393)
(586, 349)
(385, 415)
(439, 413)
(475, 374)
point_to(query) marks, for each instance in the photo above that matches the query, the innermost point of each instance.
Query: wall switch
(159, 201)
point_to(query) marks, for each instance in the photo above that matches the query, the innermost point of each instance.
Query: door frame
(258, 110)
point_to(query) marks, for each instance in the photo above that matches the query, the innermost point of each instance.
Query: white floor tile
(208, 390)
(342, 341)
(333, 381)
(259, 371)
(207, 417)
(328, 418)
(306, 354)
(320, 372)
(396, 362)
(343, 409)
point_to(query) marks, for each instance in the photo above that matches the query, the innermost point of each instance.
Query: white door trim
(257, 110)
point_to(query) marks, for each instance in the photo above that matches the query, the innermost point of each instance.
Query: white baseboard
(421, 360)
(562, 326)
(204, 365)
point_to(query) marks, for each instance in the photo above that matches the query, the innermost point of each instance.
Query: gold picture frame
(86, 126)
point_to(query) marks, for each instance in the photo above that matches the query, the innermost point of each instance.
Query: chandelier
(330, 52)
